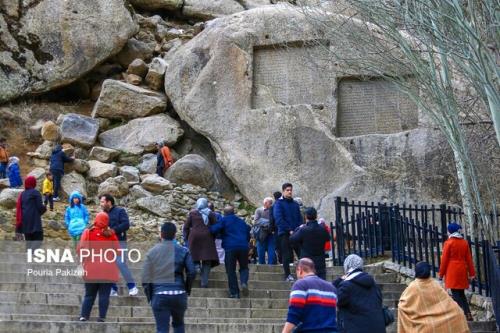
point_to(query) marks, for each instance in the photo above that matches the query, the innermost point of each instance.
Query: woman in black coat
(359, 300)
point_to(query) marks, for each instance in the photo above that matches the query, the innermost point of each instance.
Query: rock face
(148, 164)
(38, 56)
(256, 100)
(156, 205)
(104, 155)
(78, 165)
(79, 130)
(120, 100)
(156, 184)
(73, 181)
(4, 183)
(44, 150)
(8, 197)
(117, 187)
(50, 131)
(132, 138)
(191, 169)
(99, 171)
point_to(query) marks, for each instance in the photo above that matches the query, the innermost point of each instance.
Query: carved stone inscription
(289, 75)
(375, 106)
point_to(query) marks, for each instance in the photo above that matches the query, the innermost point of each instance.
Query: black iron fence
(410, 233)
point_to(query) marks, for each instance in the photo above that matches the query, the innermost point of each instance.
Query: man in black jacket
(163, 279)
(311, 238)
(119, 222)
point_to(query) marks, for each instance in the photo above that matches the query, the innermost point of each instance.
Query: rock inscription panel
(289, 75)
(373, 107)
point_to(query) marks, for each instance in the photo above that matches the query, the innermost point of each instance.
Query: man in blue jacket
(287, 217)
(235, 237)
(119, 222)
(57, 160)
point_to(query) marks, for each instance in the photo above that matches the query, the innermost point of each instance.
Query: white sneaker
(290, 278)
(113, 293)
(133, 292)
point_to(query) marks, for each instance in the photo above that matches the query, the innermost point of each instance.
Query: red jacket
(456, 264)
(99, 239)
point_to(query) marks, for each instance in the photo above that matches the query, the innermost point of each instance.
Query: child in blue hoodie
(14, 173)
(76, 217)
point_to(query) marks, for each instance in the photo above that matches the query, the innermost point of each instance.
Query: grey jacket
(164, 268)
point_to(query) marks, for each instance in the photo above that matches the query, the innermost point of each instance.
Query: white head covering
(352, 262)
(202, 207)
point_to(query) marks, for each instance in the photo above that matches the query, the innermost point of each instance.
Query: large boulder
(148, 164)
(79, 130)
(205, 10)
(191, 169)
(157, 205)
(50, 131)
(131, 174)
(8, 197)
(43, 151)
(156, 184)
(103, 154)
(120, 100)
(78, 165)
(272, 114)
(141, 134)
(117, 187)
(38, 55)
(73, 181)
(99, 171)
(137, 192)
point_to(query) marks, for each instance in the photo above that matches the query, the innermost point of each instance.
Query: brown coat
(425, 307)
(200, 240)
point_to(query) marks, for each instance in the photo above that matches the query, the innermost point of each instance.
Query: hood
(29, 182)
(75, 194)
(57, 149)
(13, 160)
(365, 280)
(101, 220)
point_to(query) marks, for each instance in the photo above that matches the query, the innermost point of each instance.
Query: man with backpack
(264, 234)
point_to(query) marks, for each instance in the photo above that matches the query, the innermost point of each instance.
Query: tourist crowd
(283, 229)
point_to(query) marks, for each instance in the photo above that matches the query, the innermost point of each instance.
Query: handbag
(388, 315)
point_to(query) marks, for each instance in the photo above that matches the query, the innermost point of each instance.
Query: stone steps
(38, 304)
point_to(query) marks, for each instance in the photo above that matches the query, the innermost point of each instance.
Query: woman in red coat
(457, 267)
(99, 271)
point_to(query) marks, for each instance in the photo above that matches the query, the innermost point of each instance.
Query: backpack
(261, 229)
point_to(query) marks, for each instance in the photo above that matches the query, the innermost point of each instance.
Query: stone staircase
(49, 304)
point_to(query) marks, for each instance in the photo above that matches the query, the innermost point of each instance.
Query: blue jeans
(166, 306)
(233, 256)
(269, 246)
(91, 291)
(3, 170)
(124, 270)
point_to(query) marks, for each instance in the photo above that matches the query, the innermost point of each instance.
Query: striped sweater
(312, 305)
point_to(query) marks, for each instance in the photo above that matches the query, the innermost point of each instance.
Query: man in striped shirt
(313, 301)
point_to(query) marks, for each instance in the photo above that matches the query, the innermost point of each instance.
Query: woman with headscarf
(457, 267)
(29, 211)
(359, 300)
(200, 241)
(99, 272)
(14, 172)
(425, 307)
